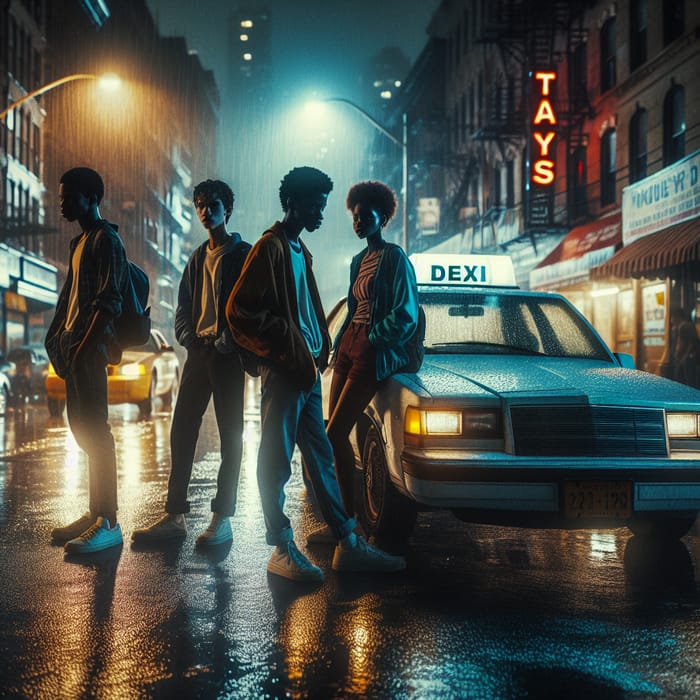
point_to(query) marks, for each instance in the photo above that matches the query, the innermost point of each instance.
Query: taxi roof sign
(448, 270)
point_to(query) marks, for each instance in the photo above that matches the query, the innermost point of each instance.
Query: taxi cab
(148, 371)
(522, 415)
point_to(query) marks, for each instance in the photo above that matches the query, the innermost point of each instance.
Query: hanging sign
(544, 121)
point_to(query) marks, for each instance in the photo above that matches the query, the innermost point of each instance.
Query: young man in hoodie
(213, 368)
(275, 313)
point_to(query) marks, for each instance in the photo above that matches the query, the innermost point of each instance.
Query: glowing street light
(107, 81)
(314, 107)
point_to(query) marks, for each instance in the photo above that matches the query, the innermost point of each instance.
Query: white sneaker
(97, 537)
(168, 527)
(365, 557)
(218, 532)
(287, 561)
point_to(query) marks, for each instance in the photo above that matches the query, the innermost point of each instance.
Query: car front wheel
(383, 511)
(662, 525)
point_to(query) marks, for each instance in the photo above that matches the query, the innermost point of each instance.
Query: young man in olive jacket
(213, 368)
(275, 312)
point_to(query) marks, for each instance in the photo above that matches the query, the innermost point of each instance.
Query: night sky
(320, 49)
(318, 44)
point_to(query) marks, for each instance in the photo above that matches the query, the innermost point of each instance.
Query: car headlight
(131, 370)
(468, 423)
(683, 425)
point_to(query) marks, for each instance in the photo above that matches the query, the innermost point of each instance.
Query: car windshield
(488, 323)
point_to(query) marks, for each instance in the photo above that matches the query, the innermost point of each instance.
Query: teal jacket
(394, 312)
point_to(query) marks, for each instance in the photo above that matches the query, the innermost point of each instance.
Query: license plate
(598, 499)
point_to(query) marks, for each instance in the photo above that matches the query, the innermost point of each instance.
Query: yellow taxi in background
(148, 371)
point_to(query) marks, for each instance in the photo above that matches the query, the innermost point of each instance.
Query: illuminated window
(385, 94)
(247, 56)
(247, 23)
(397, 83)
(244, 37)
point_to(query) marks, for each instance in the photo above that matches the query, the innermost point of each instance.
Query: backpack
(415, 347)
(133, 326)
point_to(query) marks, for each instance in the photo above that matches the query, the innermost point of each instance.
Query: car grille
(594, 431)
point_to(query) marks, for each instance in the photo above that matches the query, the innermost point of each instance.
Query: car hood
(516, 378)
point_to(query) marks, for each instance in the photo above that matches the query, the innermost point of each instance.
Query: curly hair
(215, 189)
(376, 194)
(86, 181)
(301, 182)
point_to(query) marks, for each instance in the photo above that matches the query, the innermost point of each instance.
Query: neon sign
(543, 124)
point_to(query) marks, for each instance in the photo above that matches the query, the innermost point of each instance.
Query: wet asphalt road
(482, 612)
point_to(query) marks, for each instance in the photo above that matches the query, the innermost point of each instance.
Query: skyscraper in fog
(250, 63)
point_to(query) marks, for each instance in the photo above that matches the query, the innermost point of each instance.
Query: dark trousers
(207, 373)
(353, 386)
(87, 411)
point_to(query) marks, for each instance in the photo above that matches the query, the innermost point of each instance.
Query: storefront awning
(582, 248)
(657, 255)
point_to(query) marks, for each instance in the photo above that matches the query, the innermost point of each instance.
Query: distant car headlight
(467, 423)
(131, 370)
(683, 425)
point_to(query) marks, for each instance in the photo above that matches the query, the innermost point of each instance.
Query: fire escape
(530, 35)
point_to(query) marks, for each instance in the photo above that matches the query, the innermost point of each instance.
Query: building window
(510, 184)
(674, 125)
(638, 33)
(638, 145)
(608, 55)
(578, 78)
(607, 167)
(674, 16)
(577, 183)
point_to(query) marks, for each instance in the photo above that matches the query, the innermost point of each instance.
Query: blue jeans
(292, 416)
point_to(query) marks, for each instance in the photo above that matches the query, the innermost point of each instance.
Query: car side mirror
(625, 359)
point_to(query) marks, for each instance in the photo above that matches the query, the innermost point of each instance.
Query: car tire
(169, 397)
(146, 406)
(661, 525)
(383, 511)
(55, 407)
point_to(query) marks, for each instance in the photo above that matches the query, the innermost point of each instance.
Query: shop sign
(665, 198)
(544, 121)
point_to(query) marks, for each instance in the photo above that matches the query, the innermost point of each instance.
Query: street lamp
(108, 81)
(402, 143)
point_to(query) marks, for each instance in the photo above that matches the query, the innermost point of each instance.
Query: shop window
(638, 145)
(639, 13)
(674, 125)
(674, 18)
(607, 167)
(577, 183)
(608, 55)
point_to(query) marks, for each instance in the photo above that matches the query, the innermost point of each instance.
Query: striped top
(364, 285)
